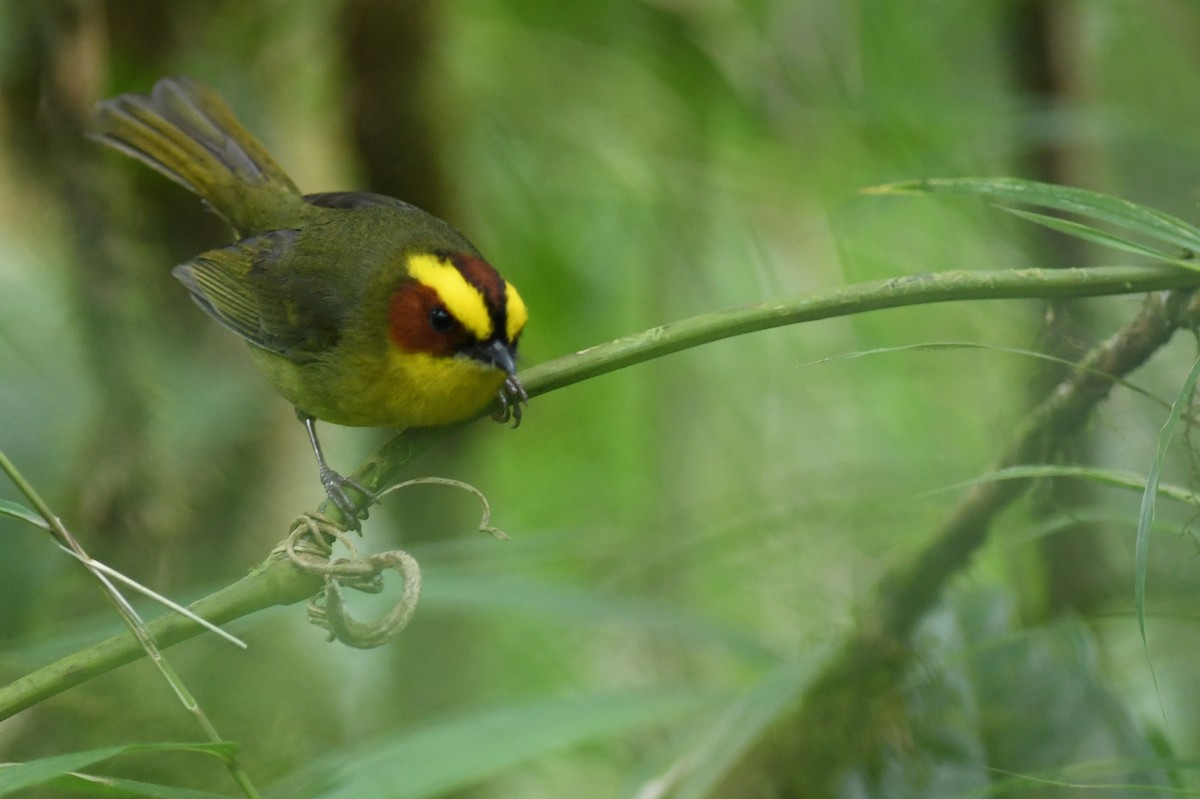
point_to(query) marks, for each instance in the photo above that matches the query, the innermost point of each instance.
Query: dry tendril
(309, 546)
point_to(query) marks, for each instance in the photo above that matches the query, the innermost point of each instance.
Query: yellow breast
(396, 389)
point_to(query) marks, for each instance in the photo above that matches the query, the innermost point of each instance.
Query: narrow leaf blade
(18, 776)
(19, 512)
(440, 758)
(93, 785)
(1146, 515)
(1101, 237)
(1145, 221)
(701, 770)
(1114, 478)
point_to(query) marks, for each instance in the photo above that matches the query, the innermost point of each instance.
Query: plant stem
(140, 634)
(839, 722)
(859, 298)
(277, 582)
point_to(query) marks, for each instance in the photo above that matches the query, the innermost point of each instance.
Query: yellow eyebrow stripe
(515, 312)
(464, 302)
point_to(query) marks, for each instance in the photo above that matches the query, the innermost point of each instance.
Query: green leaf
(439, 758)
(724, 744)
(94, 785)
(1115, 478)
(18, 776)
(1146, 516)
(444, 588)
(22, 513)
(1015, 673)
(1101, 237)
(1148, 222)
(968, 345)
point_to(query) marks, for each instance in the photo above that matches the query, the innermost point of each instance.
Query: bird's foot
(335, 488)
(512, 397)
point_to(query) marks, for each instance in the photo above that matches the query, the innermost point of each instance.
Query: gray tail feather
(185, 130)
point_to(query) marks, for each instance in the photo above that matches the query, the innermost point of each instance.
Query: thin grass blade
(166, 602)
(1139, 219)
(1115, 478)
(96, 785)
(972, 345)
(15, 510)
(18, 776)
(1101, 237)
(701, 769)
(438, 759)
(1146, 515)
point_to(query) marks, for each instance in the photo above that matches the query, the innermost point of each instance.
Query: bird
(360, 309)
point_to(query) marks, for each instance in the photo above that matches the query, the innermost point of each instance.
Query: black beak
(496, 353)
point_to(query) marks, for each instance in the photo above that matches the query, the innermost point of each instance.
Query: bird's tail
(185, 130)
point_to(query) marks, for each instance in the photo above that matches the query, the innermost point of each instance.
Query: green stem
(55, 525)
(277, 582)
(842, 721)
(382, 469)
(876, 295)
(143, 640)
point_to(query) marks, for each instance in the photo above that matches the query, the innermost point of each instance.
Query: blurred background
(691, 537)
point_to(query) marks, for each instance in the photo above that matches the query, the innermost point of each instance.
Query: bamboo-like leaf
(19, 512)
(18, 776)
(476, 593)
(95, 785)
(1116, 478)
(434, 760)
(1146, 516)
(1101, 237)
(969, 345)
(1139, 219)
(700, 770)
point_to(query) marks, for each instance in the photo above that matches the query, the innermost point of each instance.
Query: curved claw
(512, 397)
(335, 488)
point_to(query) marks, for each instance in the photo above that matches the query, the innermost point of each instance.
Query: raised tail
(185, 130)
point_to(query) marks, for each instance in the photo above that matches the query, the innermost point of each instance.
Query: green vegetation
(868, 488)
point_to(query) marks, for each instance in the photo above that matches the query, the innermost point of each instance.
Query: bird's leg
(512, 397)
(336, 484)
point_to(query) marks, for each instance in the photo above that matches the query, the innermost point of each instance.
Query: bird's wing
(249, 288)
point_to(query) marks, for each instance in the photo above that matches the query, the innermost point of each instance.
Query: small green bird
(361, 309)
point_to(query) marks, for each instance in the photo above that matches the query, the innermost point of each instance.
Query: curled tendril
(484, 522)
(328, 609)
(309, 546)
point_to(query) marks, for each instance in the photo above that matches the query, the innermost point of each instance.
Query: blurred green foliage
(689, 536)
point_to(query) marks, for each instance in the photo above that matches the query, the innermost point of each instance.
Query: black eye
(441, 320)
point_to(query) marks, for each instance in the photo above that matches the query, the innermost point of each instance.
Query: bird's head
(456, 305)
